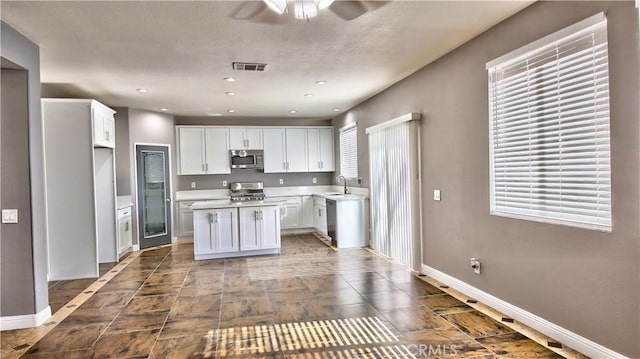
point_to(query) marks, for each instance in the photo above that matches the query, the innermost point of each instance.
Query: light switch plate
(224, 183)
(193, 185)
(9, 216)
(315, 180)
(281, 181)
(436, 194)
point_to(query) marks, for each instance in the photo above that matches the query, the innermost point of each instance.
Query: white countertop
(225, 203)
(123, 202)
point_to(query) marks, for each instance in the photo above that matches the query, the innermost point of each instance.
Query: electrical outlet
(436, 194)
(193, 185)
(9, 216)
(315, 180)
(224, 183)
(281, 181)
(475, 265)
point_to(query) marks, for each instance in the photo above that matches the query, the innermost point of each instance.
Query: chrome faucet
(344, 181)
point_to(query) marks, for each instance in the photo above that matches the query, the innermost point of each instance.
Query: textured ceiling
(181, 51)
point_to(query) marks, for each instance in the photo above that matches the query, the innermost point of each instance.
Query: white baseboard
(25, 321)
(562, 335)
(135, 247)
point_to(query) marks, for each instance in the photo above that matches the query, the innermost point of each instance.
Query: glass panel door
(154, 195)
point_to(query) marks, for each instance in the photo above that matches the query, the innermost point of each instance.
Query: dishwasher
(331, 222)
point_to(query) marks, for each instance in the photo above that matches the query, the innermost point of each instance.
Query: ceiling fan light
(305, 9)
(278, 6)
(323, 4)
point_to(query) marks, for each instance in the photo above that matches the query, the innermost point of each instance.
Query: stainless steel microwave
(247, 159)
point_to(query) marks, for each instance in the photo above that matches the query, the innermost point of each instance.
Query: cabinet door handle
(106, 135)
(206, 166)
(210, 217)
(215, 218)
(126, 226)
(261, 215)
(203, 167)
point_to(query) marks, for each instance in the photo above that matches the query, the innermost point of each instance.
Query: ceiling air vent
(248, 66)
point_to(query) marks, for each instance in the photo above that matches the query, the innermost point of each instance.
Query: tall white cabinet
(80, 187)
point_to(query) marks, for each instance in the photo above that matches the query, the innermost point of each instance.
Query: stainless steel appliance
(246, 191)
(247, 159)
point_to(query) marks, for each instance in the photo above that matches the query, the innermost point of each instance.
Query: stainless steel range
(246, 191)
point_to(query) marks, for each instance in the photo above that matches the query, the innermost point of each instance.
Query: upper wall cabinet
(320, 148)
(104, 125)
(245, 138)
(285, 150)
(203, 150)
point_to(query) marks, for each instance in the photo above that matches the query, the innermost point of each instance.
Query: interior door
(154, 195)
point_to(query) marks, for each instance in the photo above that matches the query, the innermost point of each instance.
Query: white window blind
(549, 129)
(349, 152)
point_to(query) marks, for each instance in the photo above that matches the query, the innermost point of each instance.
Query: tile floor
(62, 291)
(309, 302)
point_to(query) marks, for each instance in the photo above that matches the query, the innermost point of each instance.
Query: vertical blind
(349, 152)
(549, 129)
(393, 214)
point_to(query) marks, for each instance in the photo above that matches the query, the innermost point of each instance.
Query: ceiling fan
(301, 9)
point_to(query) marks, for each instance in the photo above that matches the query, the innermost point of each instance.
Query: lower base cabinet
(235, 232)
(259, 228)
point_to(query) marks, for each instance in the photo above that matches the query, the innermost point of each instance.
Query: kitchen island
(224, 228)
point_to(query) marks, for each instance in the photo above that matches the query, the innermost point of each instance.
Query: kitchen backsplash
(269, 179)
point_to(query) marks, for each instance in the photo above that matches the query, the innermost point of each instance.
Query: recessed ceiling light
(164, 109)
(230, 93)
(142, 90)
(231, 110)
(336, 110)
(293, 111)
(230, 79)
(321, 82)
(308, 95)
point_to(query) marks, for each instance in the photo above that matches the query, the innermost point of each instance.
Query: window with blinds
(349, 152)
(549, 129)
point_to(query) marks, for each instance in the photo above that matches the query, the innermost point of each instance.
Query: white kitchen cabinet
(320, 215)
(320, 150)
(104, 126)
(217, 151)
(125, 237)
(259, 228)
(203, 150)
(292, 208)
(245, 138)
(215, 231)
(306, 212)
(185, 218)
(285, 150)
(82, 226)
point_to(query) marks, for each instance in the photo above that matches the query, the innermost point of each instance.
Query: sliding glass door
(395, 190)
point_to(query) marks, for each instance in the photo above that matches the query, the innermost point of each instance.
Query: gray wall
(147, 127)
(122, 152)
(583, 280)
(23, 286)
(269, 179)
(16, 251)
